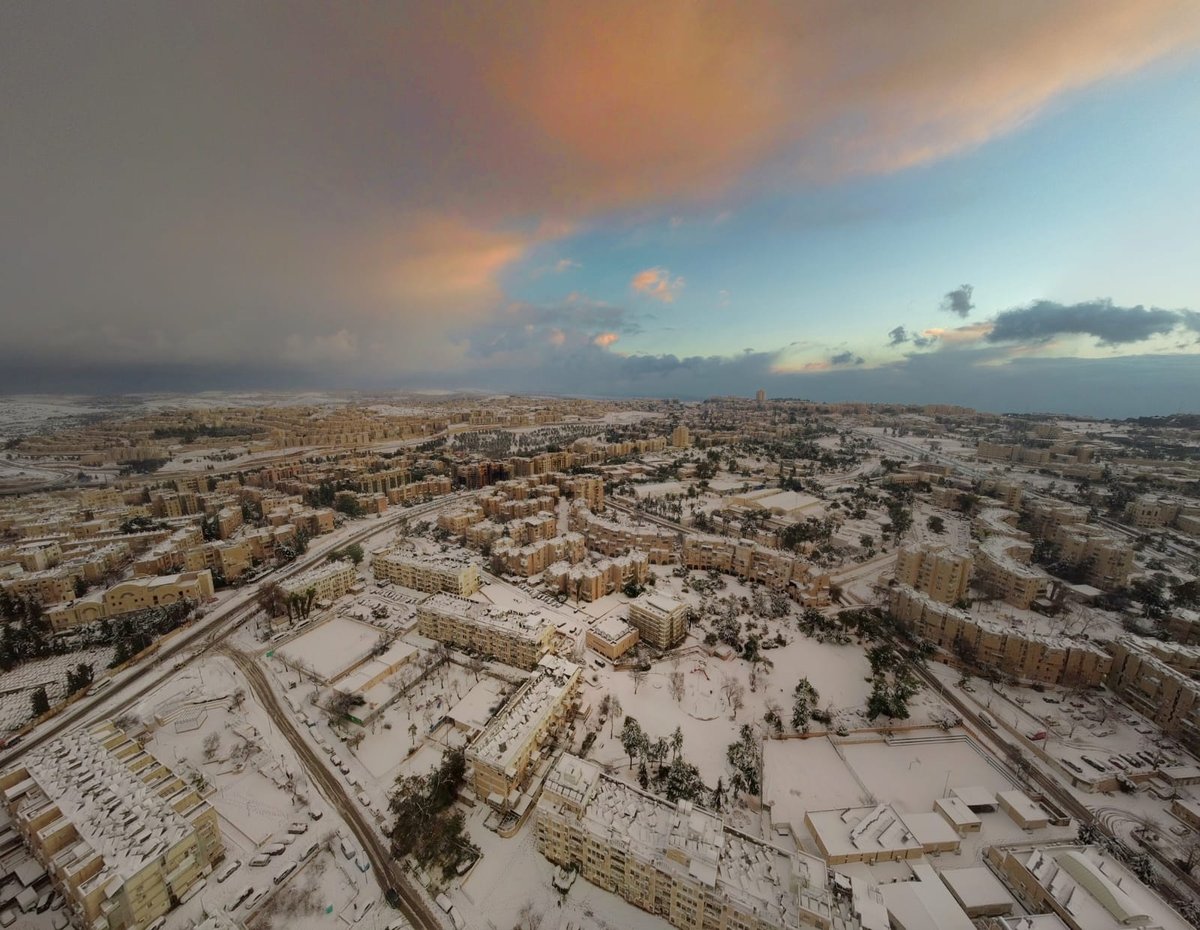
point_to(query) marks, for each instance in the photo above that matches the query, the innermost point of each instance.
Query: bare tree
(639, 676)
(475, 665)
(211, 744)
(614, 711)
(529, 918)
(735, 695)
(677, 686)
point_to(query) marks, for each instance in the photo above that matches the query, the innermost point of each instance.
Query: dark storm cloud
(1109, 324)
(958, 301)
(845, 358)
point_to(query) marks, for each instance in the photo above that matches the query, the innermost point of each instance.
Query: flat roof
(861, 830)
(923, 904)
(976, 887)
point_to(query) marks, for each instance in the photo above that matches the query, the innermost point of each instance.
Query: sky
(958, 202)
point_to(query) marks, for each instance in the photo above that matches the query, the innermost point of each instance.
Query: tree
(79, 677)
(676, 744)
(683, 782)
(805, 699)
(632, 738)
(211, 744)
(40, 701)
(745, 758)
(475, 665)
(271, 599)
(676, 684)
(735, 695)
(614, 711)
(354, 552)
(936, 524)
(639, 676)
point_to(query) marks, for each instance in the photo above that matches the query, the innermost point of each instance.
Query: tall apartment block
(941, 572)
(660, 620)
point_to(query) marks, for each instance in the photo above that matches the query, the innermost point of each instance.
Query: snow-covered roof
(524, 624)
(685, 839)
(115, 794)
(504, 737)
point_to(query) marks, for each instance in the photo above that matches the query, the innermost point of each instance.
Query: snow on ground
(16, 708)
(915, 774)
(257, 787)
(332, 647)
(512, 874)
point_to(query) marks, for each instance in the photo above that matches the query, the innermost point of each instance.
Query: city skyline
(992, 206)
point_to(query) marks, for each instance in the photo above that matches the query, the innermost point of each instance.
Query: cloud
(845, 358)
(525, 333)
(1109, 324)
(924, 340)
(658, 284)
(566, 264)
(390, 191)
(959, 300)
(897, 336)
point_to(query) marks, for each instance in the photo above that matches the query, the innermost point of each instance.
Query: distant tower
(761, 397)
(679, 437)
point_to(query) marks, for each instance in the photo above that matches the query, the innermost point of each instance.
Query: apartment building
(48, 586)
(677, 860)
(510, 747)
(590, 490)
(537, 557)
(660, 620)
(1002, 569)
(427, 573)
(123, 837)
(610, 537)
(541, 526)
(1106, 560)
(612, 637)
(518, 638)
(592, 581)
(457, 520)
(433, 486)
(1025, 655)
(940, 571)
(1154, 679)
(330, 581)
(1147, 511)
(680, 438)
(132, 595)
(749, 561)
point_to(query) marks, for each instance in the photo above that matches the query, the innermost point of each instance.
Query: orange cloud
(657, 283)
(604, 340)
(959, 335)
(596, 107)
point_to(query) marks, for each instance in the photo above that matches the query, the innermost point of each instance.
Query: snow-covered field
(20, 683)
(329, 649)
